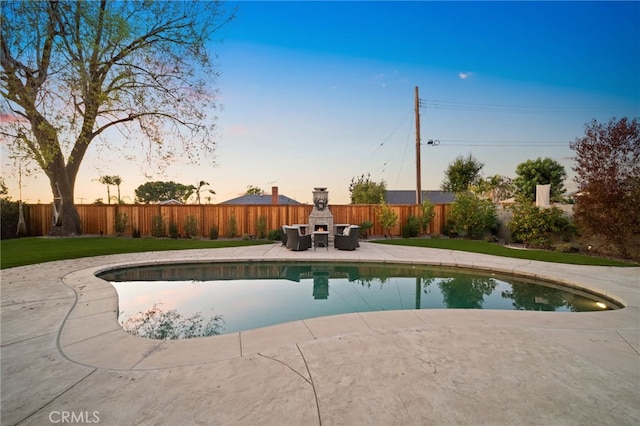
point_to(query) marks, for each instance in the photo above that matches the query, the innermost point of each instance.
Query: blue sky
(316, 93)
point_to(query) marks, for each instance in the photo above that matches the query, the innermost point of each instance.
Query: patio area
(64, 354)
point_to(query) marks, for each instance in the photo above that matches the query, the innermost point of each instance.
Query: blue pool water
(180, 301)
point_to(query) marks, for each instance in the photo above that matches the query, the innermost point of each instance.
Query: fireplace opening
(320, 227)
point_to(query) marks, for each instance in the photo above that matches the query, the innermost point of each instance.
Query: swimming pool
(193, 300)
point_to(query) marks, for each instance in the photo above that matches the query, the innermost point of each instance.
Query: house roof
(511, 200)
(409, 196)
(260, 199)
(171, 201)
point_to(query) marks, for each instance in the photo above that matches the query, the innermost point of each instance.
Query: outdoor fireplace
(320, 216)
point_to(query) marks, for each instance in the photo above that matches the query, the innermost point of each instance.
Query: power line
(404, 154)
(463, 142)
(504, 145)
(519, 109)
(378, 147)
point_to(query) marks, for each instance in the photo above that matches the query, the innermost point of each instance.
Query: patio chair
(297, 241)
(284, 235)
(339, 228)
(304, 228)
(348, 240)
(305, 231)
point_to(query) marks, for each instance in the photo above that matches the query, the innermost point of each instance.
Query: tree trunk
(69, 221)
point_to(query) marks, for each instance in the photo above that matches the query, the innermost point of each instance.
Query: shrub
(472, 216)
(535, 226)
(411, 227)
(213, 232)
(158, 227)
(121, 221)
(136, 233)
(173, 230)
(275, 235)
(191, 227)
(387, 217)
(233, 227)
(449, 229)
(490, 238)
(9, 213)
(567, 248)
(364, 229)
(261, 227)
(428, 213)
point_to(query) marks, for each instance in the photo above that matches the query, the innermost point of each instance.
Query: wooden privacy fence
(101, 218)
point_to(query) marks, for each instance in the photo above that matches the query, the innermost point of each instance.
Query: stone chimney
(274, 195)
(320, 216)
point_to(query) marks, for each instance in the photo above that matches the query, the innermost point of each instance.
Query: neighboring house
(409, 197)
(170, 202)
(507, 202)
(274, 199)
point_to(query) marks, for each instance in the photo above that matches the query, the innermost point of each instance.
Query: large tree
(153, 192)
(71, 70)
(461, 174)
(540, 172)
(254, 190)
(608, 174)
(363, 190)
(496, 188)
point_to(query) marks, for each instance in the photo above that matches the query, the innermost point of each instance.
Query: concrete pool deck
(65, 357)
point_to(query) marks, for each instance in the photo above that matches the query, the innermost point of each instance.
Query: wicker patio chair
(349, 241)
(297, 241)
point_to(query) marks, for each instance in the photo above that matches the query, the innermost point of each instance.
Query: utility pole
(418, 173)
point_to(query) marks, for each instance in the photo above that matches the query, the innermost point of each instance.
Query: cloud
(237, 130)
(464, 75)
(379, 80)
(11, 118)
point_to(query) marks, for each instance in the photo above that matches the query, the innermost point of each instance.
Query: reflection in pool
(181, 301)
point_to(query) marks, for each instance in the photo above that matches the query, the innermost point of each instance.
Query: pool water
(182, 301)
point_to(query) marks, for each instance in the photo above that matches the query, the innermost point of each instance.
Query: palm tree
(117, 180)
(212, 192)
(107, 180)
(199, 188)
(111, 180)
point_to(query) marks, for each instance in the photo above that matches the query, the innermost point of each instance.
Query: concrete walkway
(65, 359)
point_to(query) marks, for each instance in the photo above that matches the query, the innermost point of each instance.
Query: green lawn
(499, 250)
(27, 251)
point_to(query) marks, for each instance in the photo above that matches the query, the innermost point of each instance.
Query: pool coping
(92, 321)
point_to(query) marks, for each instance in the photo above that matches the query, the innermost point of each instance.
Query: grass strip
(32, 250)
(494, 249)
